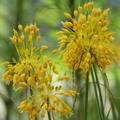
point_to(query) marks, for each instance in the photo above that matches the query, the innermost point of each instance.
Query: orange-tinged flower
(86, 39)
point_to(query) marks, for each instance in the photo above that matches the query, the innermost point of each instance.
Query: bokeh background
(47, 14)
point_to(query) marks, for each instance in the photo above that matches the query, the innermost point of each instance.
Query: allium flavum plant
(86, 45)
(33, 74)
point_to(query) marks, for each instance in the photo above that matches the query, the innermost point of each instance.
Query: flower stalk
(109, 95)
(100, 92)
(49, 115)
(86, 95)
(96, 94)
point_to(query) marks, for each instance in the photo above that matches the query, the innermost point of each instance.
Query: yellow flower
(47, 90)
(43, 48)
(86, 39)
(34, 72)
(23, 73)
(30, 107)
(20, 27)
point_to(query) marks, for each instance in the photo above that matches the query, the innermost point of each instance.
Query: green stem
(49, 116)
(96, 94)
(36, 118)
(99, 90)
(19, 9)
(31, 92)
(86, 95)
(71, 5)
(108, 114)
(110, 97)
(79, 84)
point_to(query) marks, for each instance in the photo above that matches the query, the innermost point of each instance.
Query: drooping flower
(86, 38)
(48, 90)
(34, 72)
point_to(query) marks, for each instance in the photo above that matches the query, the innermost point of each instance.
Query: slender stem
(108, 114)
(31, 92)
(96, 94)
(49, 116)
(71, 5)
(110, 97)
(99, 90)
(19, 9)
(86, 95)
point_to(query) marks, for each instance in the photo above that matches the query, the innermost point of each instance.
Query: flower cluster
(86, 38)
(23, 71)
(46, 93)
(34, 73)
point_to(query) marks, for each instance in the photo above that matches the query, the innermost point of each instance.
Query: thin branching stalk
(99, 90)
(86, 95)
(96, 94)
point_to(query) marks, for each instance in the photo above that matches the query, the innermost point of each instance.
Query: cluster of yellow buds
(30, 107)
(34, 73)
(46, 92)
(26, 39)
(28, 54)
(85, 38)
(31, 32)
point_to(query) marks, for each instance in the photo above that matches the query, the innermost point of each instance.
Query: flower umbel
(34, 72)
(23, 72)
(86, 38)
(46, 95)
